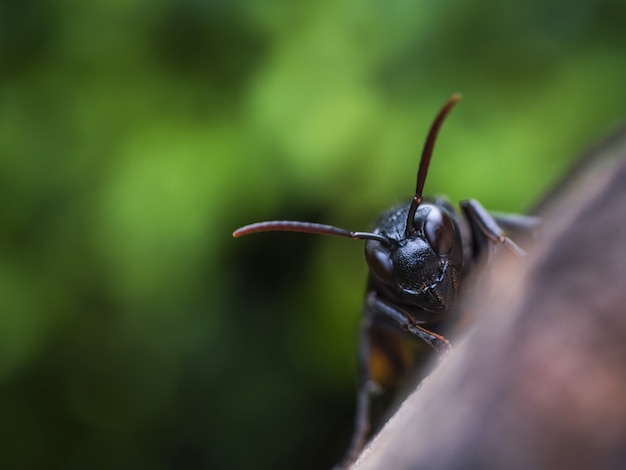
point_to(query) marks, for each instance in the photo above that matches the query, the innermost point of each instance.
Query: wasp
(420, 254)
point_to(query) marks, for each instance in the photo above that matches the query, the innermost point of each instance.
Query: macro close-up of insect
(417, 280)
(540, 381)
(421, 257)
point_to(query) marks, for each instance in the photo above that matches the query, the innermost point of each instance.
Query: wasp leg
(378, 305)
(374, 305)
(526, 225)
(365, 388)
(480, 219)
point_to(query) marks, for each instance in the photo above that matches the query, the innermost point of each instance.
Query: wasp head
(421, 266)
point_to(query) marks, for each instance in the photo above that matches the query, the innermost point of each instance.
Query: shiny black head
(415, 250)
(421, 268)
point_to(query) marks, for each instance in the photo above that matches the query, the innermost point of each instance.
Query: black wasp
(419, 255)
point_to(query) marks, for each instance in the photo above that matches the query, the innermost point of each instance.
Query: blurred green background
(136, 135)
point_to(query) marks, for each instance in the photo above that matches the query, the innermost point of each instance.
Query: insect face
(420, 266)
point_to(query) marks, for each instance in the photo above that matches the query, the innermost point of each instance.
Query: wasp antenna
(425, 160)
(306, 227)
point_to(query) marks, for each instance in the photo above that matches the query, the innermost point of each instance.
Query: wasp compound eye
(379, 261)
(439, 231)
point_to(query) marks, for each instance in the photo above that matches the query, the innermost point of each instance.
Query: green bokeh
(135, 136)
